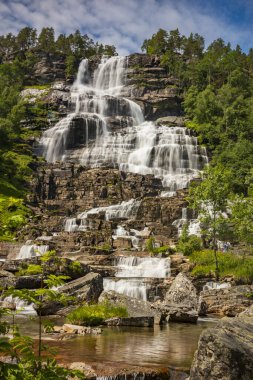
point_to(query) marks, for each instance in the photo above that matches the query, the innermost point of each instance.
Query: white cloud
(124, 23)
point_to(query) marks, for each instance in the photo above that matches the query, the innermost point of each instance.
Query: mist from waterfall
(138, 146)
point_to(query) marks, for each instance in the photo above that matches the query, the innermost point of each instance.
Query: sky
(126, 23)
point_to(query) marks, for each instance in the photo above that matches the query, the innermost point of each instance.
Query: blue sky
(126, 23)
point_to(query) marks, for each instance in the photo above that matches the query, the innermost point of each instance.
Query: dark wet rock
(131, 321)
(87, 288)
(181, 301)
(225, 351)
(28, 282)
(229, 301)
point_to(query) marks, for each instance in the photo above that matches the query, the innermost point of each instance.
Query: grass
(13, 215)
(38, 87)
(94, 315)
(240, 267)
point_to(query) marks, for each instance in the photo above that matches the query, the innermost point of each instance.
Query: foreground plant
(31, 361)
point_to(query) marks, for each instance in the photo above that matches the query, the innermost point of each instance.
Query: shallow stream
(170, 345)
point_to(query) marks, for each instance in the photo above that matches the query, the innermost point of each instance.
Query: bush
(239, 267)
(150, 247)
(94, 315)
(188, 244)
(192, 244)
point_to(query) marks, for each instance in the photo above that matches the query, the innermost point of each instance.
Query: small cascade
(193, 224)
(22, 306)
(28, 251)
(137, 146)
(133, 235)
(216, 285)
(133, 275)
(124, 210)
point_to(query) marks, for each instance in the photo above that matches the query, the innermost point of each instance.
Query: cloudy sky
(126, 23)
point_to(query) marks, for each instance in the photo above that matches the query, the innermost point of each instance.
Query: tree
(27, 38)
(210, 199)
(46, 40)
(242, 218)
(157, 44)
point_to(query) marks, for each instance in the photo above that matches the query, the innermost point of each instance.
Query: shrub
(192, 244)
(239, 267)
(150, 247)
(94, 315)
(188, 244)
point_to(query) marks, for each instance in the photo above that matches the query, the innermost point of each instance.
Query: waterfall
(124, 210)
(133, 274)
(193, 224)
(216, 285)
(138, 146)
(22, 306)
(28, 251)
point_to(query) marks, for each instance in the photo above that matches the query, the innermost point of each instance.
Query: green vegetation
(27, 45)
(33, 361)
(19, 54)
(188, 244)
(151, 248)
(94, 315)
(229, 265)
(218, 96)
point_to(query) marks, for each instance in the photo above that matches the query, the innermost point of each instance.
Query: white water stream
(133, 274)
(28, 251)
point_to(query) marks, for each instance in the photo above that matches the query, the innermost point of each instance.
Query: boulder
(181, 301)
(7, 279)
(229, 301)
(225, 351)
(76, 329)
(134, 306)
(87, 289)
(131, 321)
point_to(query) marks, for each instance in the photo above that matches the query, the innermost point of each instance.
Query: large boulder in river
(86, 288)
(134, 306)
(225, 351)
(181, 301)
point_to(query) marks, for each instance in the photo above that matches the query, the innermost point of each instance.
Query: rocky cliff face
(64, 190)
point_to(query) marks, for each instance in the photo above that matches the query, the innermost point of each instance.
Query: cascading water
(28, 251)
(21, 306)
(138, 146)
(133, 274)
(192, 224)
(124, 210)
